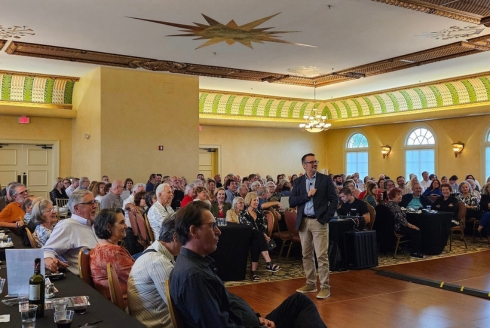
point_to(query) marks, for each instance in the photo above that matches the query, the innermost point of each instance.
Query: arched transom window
(420, 154)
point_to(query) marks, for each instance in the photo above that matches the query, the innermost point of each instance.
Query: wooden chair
(372, 215)
(139, 228)
(399, 241)
(174, 314)
(149, 231)
(291, 224)
(84, 266)
(31, 238)
(284, 236)
(61, 203)
(270, 222)
(115, 288)
(459, 228)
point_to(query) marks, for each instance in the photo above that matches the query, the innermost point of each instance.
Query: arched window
(357, 155)
(487, 156)
(420, 154)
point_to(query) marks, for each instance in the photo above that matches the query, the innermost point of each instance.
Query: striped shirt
(147, 300)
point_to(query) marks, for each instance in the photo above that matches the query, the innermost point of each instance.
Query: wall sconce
(385, 150)
(457, 148)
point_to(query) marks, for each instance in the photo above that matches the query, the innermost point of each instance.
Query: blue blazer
(324, 201)
(407, 198)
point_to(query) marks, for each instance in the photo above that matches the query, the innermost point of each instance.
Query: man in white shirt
(425, 183)
(147, 299)
(401, 184)
(161, 209)
(69, 235)
(74, 185)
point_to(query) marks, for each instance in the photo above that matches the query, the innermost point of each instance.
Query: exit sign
(24, 120)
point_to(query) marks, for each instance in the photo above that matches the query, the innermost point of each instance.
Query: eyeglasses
(312, 162)
(22, 192)
(212, 225)
(50, 210)
(91, 203)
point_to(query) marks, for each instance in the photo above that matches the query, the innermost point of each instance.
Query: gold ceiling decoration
(15, 32)
(449, 51)
(472, 11)
(230, 33)
(2, 43)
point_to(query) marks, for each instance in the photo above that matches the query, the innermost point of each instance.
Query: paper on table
(20, 267)
(5, 318)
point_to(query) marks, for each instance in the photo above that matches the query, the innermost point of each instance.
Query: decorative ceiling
(360, 46)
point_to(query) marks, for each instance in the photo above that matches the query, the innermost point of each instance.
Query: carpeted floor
(292, 268)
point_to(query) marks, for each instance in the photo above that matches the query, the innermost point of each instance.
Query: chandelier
(314, 122)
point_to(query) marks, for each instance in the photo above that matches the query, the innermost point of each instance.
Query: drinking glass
(28, 316)
(64, 318)
(429, 207)
(60, 304)
(2, 283)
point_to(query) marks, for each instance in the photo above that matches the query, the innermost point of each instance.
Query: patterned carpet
(292, 268)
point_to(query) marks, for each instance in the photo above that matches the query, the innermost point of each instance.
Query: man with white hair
(113, 198)
(12, 216)
(161, 209)
(69, 235)
(263, 195)
(128, 203)
(84, 183)
(74, 185)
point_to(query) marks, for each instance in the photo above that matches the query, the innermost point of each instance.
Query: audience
(433, 189)
(230, 186)
(113, 198)
(232, 215)
(74, 185)
(352, 206)
(415, 200)
(371, 196)
(12, 216)
(161, 209)
(189, 195)
(470, 200)
(58, 191)
(44, 216)
(447, 202)
(221, 205)
(110, 228)
(128, 186)
(98, 190)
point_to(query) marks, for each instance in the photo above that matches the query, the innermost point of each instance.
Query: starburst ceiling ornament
(230, 33)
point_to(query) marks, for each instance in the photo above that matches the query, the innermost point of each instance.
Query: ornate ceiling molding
(472, 11)
(2, 43)
(427, 97)
(28, 89)
(453, 50)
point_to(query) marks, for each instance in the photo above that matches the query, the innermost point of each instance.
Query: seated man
(113, 198)
(200, 296)
(264, 204)
(146, 284)
(415, 200)
(69, 235)
(161, 209)
(352, 206)
(12, 216)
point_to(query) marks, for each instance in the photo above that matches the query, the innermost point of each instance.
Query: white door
(28, 164)
(207, 163)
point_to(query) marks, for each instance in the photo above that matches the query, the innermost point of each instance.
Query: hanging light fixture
(314, 122)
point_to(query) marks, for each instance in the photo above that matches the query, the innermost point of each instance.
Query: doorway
(209, 160)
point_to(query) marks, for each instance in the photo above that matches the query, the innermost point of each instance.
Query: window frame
(356, 150)
(432, 147)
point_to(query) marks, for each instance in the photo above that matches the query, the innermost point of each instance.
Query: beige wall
(246, 150)
(131, 113)
(41, 129)
(469, 130)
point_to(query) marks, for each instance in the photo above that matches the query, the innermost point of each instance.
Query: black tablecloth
(232, 252)
(434, 228)
(100, 308)
(336, 233)
(16, 241)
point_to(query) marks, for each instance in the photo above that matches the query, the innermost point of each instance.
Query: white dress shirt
(156, 215)
(147, 300)
(68, 236)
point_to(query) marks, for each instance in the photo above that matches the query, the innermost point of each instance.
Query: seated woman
(371, 197)
(58, 191)
(110, 228)
(470, 199)
(44, 216)
(140, 202)
(447, 202)
(252, 216)
(237, 206)
(474, 187)
(220, 207)
(202, 195)
(211, 187)
(128, 188)
(401, 224)
(434, 189)
(98, 190)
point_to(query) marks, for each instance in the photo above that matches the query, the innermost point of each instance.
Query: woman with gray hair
(44, 216)
(470, 199)
(58, 191)
(237, 206)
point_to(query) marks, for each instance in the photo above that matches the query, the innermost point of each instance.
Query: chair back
(290, 217)
(114, 287)
(461, 213)
(433, 197)
(84, 266)
(174, 314)
(149, 231)
(372, 215)
(60, 204)
(270, 222)
(31, 238)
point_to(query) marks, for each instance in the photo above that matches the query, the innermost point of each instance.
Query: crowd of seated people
(239, 200)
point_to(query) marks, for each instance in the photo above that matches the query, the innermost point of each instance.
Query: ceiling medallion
(454, 32)
(230, 33)
(15, 32)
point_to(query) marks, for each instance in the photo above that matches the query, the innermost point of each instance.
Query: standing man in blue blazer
(314, 195)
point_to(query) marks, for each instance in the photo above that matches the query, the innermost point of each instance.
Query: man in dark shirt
(178, 194)
(199, 294)
(352, 206)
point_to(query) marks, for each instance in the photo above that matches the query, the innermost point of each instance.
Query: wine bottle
(36, 289)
